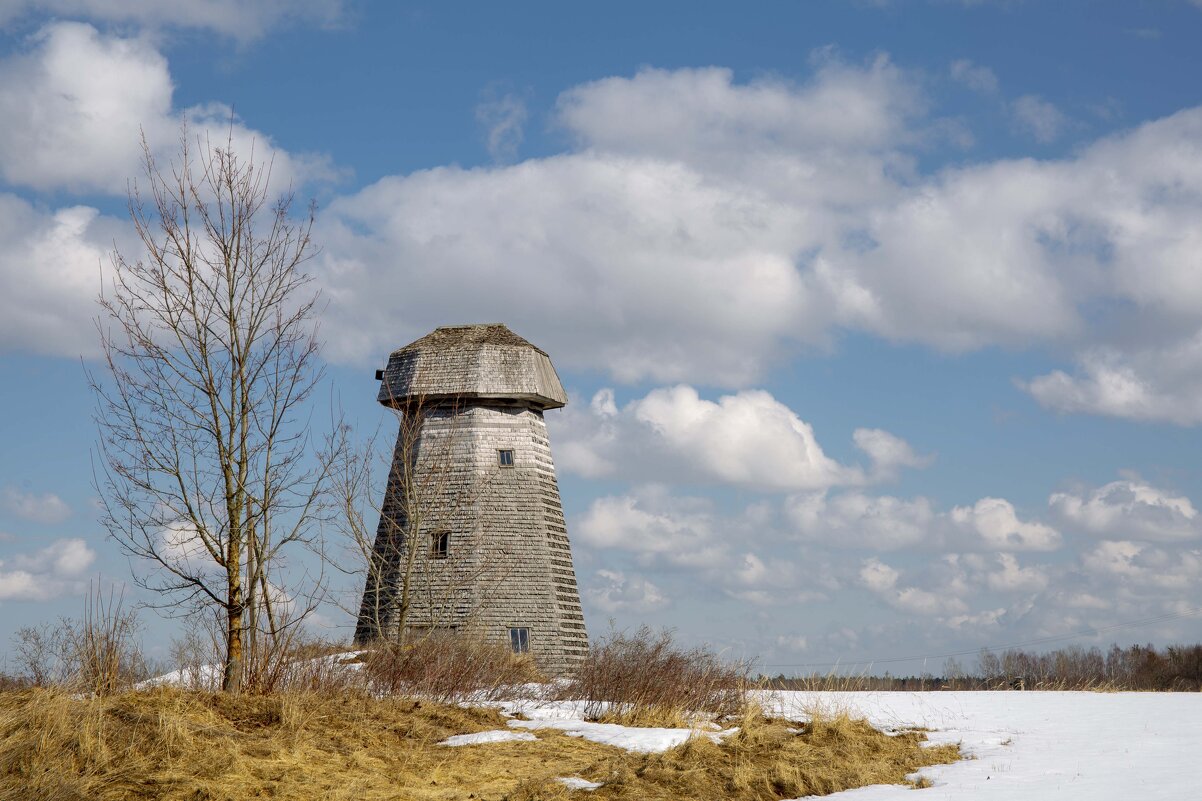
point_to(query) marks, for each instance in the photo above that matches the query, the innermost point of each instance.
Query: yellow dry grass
(176, 745)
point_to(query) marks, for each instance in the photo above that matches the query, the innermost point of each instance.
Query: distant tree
(207, 470)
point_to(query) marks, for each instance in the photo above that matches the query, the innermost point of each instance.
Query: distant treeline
(1139, 667)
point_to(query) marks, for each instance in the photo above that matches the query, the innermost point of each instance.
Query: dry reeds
(98, 653)
(449, 668)
(171, 745)
(645, 679)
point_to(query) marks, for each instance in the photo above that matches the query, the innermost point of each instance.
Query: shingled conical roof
(485, 360)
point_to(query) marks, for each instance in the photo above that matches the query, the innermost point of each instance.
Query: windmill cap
(485, 361)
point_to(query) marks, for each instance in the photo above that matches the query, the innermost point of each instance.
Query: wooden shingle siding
(472, 391)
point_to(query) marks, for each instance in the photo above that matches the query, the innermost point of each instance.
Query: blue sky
(882, 321)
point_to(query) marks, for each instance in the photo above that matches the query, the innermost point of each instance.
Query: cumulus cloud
(674, 234)
(40, 508)
(1011, 577)
(242, 20)
(1038, 118)
(73, 105)
(859, 520)
(854, 519)
(73, 102)
(1129, 508)
(974, 76)
(888, 452)
(735, 554)
(76, 101)
(747, 439)
(651, 522)
(503, 119)
(737, 221)
(615, 591)
(996, 522)
(52, 572)
(882, 580)
(50, 275)
(1141, 383)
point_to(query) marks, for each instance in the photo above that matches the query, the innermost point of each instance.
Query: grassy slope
(171, 744)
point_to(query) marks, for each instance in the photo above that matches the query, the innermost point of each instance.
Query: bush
(449, 668)
(98, 653)
(645, 678)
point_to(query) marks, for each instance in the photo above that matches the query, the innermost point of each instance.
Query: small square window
(505, 457)
(519, 640)
(440, 544)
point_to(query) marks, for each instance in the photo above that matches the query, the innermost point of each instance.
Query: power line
(1023, 644)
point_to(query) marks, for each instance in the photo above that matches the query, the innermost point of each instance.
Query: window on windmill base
(505, 457)
(440, 544)
(519, 640)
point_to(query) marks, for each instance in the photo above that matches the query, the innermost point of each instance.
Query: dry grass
(645, 679)
(175, 745)
(450, 669)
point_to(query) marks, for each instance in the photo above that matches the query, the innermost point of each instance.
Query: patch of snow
(497, 736)
(632, 738)
(202, 677)
(577, 783)
(208, 677)
(1031, 745)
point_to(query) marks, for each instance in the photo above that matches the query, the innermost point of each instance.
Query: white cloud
(747, 439)
(615, 591)
(1152, 384)
(503, 119)
(859, 520)
(853, 519)
(50, 275)
(697, 114)
(997, 523)
(974, 76)
(1011, 577)
(878, 576)
(1038, 118)
(243, 20)
(52, 572)
(1142, 567)
(1129, 508)
(686, 535)
(652, 523)
(888, 452)
(674, 235)
(44, 508)
(73, 103)
(881, 579)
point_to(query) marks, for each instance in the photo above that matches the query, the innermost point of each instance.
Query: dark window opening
(440, 544)
(506, 457)
(519, 640)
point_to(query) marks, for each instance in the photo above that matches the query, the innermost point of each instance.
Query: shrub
(98, 653)
(645, 678)
(449, 668)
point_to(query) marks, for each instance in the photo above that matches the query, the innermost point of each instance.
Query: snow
(208, 677)
(496, 736)
(567, 717)
(1022, 746)
(577, 783)
(1029, 746)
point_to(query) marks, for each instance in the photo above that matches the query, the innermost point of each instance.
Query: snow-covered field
(1028, 746)
(1023, 746)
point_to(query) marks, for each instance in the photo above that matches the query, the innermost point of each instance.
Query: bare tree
(425, 564)
(208, 474)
